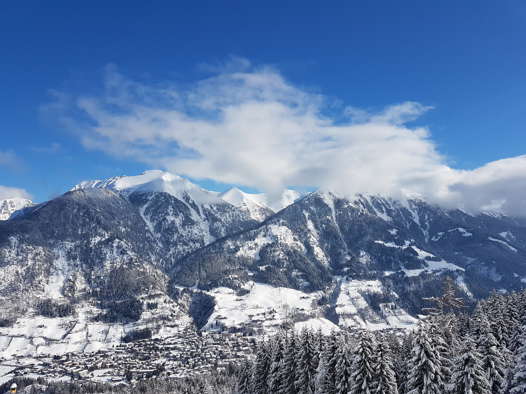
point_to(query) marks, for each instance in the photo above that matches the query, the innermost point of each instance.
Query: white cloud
(497, 186)
(250, 126)
(398, 114)
(13, 192)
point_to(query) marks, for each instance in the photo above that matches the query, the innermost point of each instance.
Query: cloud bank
(250, 126)
(13, 192)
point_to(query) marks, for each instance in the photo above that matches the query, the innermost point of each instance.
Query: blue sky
(464, 59)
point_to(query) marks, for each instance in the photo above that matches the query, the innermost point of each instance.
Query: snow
(272, 233)
(254, 204)
(161, 181)
(503, 243)
(9, 206)
(154, 181)
(392, 244)
(508, 236)
(382, 214)
(437, 237)
(462, 231)
(462, 285)
(314, 238)
(317, 324)
(37, 335)
(354, 311)
(263, 304)
(431, 265)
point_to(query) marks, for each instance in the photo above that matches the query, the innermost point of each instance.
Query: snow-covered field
(270, 307)
(263, 305)
(354, 311)
(34, 335)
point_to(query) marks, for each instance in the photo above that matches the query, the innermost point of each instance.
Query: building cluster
(188, 354)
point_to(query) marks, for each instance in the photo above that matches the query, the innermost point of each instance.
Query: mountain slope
(394, 252)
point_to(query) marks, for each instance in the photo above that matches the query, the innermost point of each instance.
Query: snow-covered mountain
(260, 206)
(373, 258)
(157, 251)
(154, 181)
(9, 206)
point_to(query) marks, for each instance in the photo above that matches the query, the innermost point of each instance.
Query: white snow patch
(354, 311)
(263, 305)
(503, 243)
(462, 231)
(317, 324)
(508, 236)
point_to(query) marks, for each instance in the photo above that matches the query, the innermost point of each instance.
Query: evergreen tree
(244, 384)
(343, 369)
(386, 378)
(518, 374)
(448, 302)
(494, 356)
(261, 370)
(276, 358)
(288, 367)
(322, 374)
(469, 376)
(401, 359)
(306, 368)
(364, 365)
(326, 375)
(495, 309)
(425, 368)
(512, 318)
(439, 328)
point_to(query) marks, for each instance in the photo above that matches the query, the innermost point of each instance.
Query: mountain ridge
(325, 261)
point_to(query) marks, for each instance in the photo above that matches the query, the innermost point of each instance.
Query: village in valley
(188, 354)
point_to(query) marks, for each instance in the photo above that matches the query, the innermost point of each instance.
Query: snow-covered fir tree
(276, 358)
(494, 356)
(518, 374)
(469, 376)
(326, 372)
(244, 384)
(343, 368)
(385, 375)
(261, 370)
(305, 367)
(288, 366)
(426, 365)
(364, 378)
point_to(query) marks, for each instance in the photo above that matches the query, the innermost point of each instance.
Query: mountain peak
(153, 181)
(9, 206)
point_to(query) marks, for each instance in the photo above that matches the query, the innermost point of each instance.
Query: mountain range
(111, 257)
